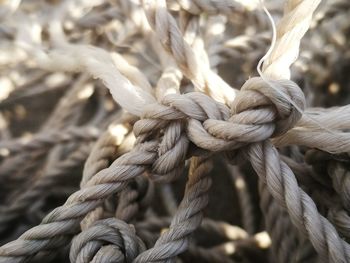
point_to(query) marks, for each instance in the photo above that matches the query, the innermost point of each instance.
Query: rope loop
(278, 96)
(108, 240)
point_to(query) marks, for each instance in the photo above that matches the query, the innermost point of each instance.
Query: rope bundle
(128, 175)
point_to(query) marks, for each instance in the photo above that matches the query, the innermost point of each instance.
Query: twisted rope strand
(101, 155)
(302, 210)
(62, 222)
(109, 240)
(177, 126)
(165, 26)
(188, 217)
(292, 27)
(277, 223)
(125, 168)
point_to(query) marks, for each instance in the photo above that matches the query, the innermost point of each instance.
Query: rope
(190, 116)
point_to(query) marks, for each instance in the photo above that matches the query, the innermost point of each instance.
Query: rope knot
(282, 98)
(108, 240)
(258, 112)
(167, 122)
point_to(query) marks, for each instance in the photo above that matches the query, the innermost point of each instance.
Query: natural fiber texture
(98, 175)
(292, 27)
(175, 240)
(123, 244)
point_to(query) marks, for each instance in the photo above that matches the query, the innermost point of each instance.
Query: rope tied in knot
(167, 122)
(257, 94)
(108, 240)
(258, 113)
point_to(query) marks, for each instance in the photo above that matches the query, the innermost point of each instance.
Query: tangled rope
(66, 196)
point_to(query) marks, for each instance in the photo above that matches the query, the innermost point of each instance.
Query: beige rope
(292, 27)
(171, 38)
(175, 126)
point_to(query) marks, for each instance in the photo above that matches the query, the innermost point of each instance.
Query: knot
(108, 240)
(278, 96)
(167, 122)
(257, 113)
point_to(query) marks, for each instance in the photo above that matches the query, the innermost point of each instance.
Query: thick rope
(188, 217)
(277, 223)
(294, 24)
(178, 126)
(109, 240)
(169, 34)
(301, 208)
